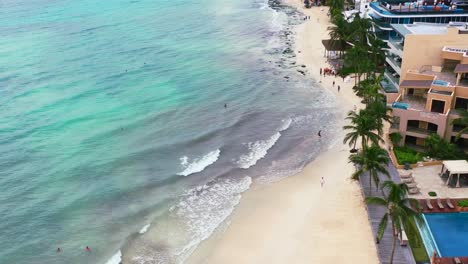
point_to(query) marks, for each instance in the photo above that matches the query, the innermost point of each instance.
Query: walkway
(403, 255)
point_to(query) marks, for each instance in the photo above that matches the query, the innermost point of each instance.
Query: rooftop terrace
(410, 8)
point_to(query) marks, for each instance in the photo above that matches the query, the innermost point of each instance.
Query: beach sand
(296, 220)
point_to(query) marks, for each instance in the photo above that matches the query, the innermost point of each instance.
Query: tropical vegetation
(461, 121)
(399, 211)
(365, 59)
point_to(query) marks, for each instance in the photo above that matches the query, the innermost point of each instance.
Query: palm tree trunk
(394, 244)
(370, 182)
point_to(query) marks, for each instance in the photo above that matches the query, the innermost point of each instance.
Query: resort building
(385, 13)
(429, 71)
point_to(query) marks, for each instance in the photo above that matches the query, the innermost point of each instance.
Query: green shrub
(440, 148)
(463, 203)
(407, 155)
(396, 138)
(432, 194)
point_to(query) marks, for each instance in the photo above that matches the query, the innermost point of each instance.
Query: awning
(416, 84)
(456, 166)
(335, 45)
(461, 68)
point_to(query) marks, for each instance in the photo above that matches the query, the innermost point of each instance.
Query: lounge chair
(415, 190)
(457, 261)
(407, 180)
(411, 185)
(439, 203)
(403, 239)
(406, 174)
(428, 204)
(449, 204)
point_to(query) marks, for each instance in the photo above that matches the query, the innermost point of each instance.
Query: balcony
(420, 131)
(415, 102)
(395, 46)
(395, 63)
(390, 83)
(413, 9)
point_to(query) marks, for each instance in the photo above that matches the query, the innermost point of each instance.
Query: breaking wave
(198, 165)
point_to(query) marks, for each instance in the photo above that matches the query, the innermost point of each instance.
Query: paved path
(403, 255)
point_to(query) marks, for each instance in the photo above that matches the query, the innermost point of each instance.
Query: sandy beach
(297, 220)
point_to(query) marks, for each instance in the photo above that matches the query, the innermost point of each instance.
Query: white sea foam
(286, 124)
(259, 149)
(116, 259)
(144, 229)
(204, 208)
(197, 165)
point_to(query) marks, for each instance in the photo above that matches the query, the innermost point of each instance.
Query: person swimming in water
(88, 249)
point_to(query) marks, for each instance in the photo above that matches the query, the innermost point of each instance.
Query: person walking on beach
(333, 83)
(354, 108)
(339, 88)
(320, 71)
(322, 182)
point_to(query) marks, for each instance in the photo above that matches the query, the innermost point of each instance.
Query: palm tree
(362, 126)
(399, 210)
(340, 30)
(357, 59)
(377, 52)
(361, 29)
(379, 110)
(462, 120)
(372, 160)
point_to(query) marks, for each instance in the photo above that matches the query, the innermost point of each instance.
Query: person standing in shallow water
(319, 133)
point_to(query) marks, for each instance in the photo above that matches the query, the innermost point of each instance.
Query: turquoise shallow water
(113, 118)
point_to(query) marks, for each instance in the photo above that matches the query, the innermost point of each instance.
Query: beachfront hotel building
(385, 13)
(432, 81)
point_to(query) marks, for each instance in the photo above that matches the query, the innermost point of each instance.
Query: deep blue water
(114, 132)
(450, 232)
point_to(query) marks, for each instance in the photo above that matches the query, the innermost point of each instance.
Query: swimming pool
(448, 232)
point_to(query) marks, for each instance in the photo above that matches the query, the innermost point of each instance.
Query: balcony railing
(397, 42)
(394, 63)
(420, 130)
(414, 9)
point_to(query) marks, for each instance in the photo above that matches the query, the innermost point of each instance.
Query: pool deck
(464, 260)
(436, 208)
(428, 180)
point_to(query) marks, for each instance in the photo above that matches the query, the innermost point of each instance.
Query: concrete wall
(421, 50)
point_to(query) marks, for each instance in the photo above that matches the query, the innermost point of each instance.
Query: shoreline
(296, 220)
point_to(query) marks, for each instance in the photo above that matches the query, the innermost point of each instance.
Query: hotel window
(438, 106)
(461, 103)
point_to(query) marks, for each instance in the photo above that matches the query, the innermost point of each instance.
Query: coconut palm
(377, 52)
(362, 126)
(462, 120)
(357, 59)
(371, 160)
(399, 210)
(340, 30)
(379, 110)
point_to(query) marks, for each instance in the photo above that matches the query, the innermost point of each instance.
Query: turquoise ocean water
(114, 132)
